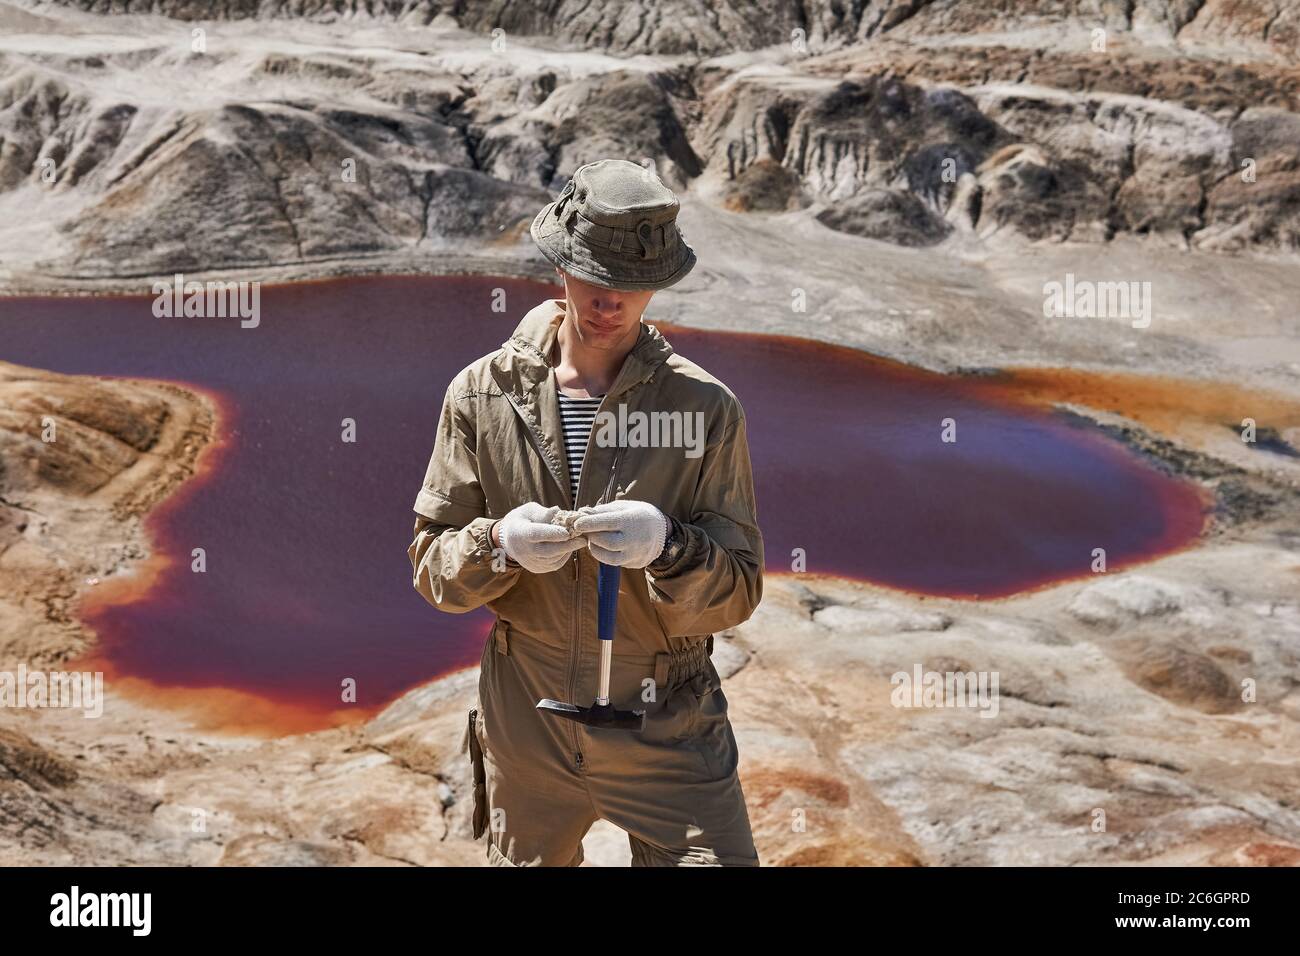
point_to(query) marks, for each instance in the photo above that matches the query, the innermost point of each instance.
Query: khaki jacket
(500, 444)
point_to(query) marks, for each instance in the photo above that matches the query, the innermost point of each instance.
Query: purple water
(308, 581)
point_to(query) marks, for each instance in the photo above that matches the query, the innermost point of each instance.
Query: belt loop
(501, 634)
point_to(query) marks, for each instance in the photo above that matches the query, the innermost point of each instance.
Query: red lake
(305, 536)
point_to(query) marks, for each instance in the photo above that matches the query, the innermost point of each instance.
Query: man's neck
(580, 368)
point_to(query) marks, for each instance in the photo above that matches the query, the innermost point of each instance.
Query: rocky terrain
(917, 170)
(982, 118)
(81, 462)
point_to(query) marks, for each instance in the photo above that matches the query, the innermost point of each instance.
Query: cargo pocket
(711, 733)
(672, 723)
(472, 745)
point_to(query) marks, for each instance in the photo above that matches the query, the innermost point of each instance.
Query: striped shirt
(578, 415)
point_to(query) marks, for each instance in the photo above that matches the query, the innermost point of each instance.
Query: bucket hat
(615, 225)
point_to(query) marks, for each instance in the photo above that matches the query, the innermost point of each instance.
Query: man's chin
(603, 338)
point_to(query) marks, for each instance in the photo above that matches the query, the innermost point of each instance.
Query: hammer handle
(607, 599)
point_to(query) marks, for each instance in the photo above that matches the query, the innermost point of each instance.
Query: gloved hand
(625, 533)
(529, 537)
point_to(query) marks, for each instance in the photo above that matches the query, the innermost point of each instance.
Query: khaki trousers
(541, 781)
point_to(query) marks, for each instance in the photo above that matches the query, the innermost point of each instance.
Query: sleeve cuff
(662, 568)
(489, 547)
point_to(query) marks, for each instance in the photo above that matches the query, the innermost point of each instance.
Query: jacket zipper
(575, 650)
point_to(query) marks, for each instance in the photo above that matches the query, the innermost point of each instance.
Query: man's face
(603, 318)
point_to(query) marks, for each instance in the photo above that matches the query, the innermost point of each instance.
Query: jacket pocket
(473, 745)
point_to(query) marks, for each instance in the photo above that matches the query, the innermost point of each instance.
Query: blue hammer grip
(607, 599)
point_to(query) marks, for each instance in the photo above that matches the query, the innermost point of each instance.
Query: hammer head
(597, 715)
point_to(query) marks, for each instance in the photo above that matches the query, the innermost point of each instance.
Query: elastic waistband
(670, 667)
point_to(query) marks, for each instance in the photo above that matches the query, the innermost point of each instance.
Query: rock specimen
(565, 520)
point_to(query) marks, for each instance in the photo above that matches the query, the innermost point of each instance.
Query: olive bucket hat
(615, 225)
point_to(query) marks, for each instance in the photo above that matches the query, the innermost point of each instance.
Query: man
(680, 522)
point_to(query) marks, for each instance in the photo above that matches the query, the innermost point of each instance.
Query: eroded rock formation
(905, 121)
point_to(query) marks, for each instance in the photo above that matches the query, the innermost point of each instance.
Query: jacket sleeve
(451, 557)
(718, 580)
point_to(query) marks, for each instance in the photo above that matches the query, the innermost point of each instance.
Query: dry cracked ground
(916, 171)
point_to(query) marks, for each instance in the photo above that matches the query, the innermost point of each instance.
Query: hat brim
(572, 255)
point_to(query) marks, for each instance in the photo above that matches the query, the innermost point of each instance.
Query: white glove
(529, 538)
(625, 533)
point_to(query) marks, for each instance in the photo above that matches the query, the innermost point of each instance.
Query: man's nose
(607, 307)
